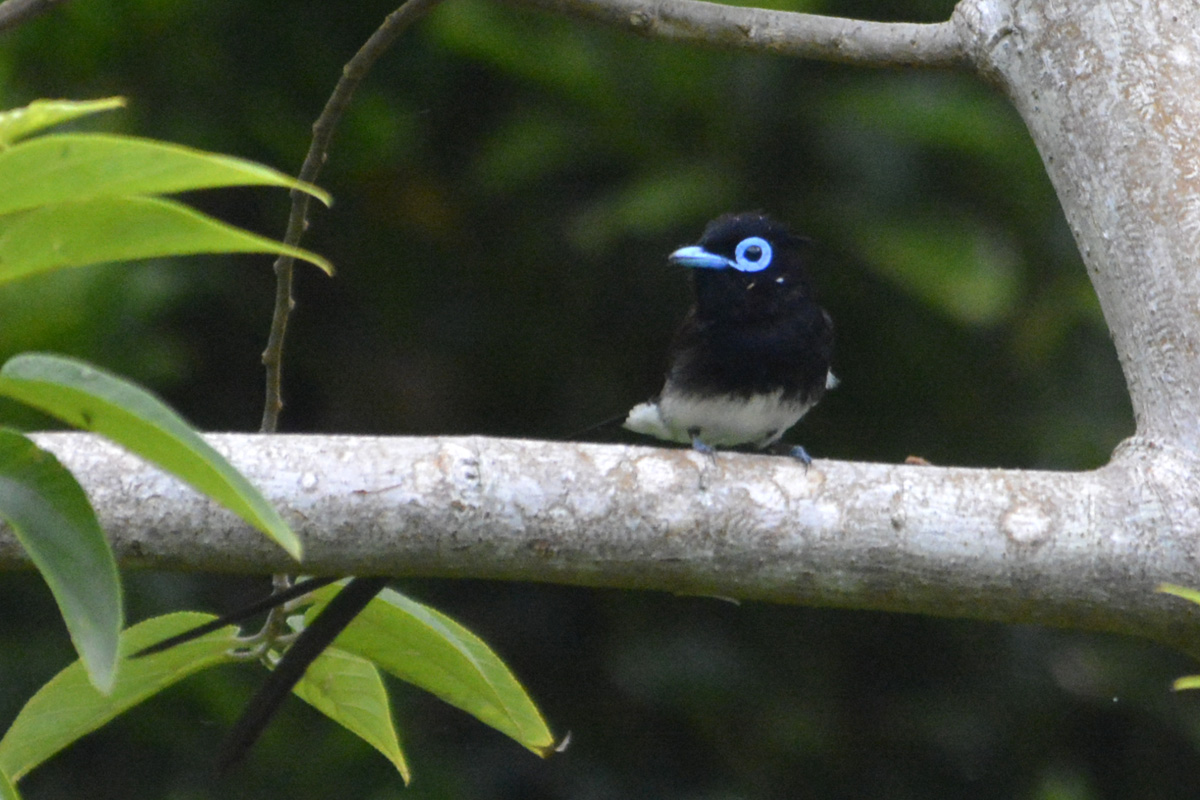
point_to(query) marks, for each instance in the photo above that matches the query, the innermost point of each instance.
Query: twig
(15, 12)
(352, 74)
(885, 44)
(318, 152)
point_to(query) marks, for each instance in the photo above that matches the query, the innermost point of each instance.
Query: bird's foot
(700, 446)
(794, 451)
(800, 454)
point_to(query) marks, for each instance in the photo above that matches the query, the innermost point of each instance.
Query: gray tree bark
(1108, 91)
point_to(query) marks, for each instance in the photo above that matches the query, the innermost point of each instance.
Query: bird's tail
(611, 423)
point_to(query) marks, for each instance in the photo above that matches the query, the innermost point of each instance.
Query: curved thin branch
(883, 44)
(1080, 550)
(323, 129)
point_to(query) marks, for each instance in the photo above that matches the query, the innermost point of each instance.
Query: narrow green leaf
(68, 707)
(1191, 595)
(53, 520)
(121, 229)
(73, 167)
(349, 691)
(1186, 682)
(86, 397)
(8, 791)
(40, 114)
(424, 647)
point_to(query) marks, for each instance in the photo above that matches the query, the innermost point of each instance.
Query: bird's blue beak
(696, 256)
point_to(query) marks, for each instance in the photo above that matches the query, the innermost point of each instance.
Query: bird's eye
(752, 254)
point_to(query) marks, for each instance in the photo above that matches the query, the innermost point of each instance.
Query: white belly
(722, 421)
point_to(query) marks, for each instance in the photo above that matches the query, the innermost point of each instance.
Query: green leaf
(40, 114)
(424, 647)
(73, 167)
(75, 234)
(7, 790)
(86, 397)
(349, 691)
(53, 520)
(1191, 595)
(68, 707)
(1186, 682)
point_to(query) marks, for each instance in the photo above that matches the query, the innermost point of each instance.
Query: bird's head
(745, 265)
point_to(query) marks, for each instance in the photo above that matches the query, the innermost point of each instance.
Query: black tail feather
(611, 423)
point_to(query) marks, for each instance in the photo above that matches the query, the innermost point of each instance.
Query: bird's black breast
(787, 349)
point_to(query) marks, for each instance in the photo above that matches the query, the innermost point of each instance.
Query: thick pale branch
(1108, 90)
(881, 44)
(1081, 550)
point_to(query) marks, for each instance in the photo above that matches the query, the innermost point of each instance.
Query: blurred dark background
(507, 186)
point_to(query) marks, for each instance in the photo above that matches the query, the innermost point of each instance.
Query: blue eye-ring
(753, 254)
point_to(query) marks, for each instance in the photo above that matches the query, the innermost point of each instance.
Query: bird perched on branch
(750, 359)
(752, 356)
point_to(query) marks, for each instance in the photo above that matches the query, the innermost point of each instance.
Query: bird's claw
(800, 454)
(794, 451)
(700, 446)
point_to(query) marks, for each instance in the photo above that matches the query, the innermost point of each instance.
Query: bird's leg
(700, 446)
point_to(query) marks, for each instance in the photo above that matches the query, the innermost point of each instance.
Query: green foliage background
(507, 185)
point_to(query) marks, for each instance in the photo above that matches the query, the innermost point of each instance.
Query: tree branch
(1120, 135)
(16, 12)
(318, 151)
(1081, 550)
(885, 44)
(1110, 100)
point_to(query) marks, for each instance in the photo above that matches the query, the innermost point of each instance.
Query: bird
(753, 353)
(750, 359)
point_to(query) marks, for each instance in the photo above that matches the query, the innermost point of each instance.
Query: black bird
(750, 359)
(752, 356)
